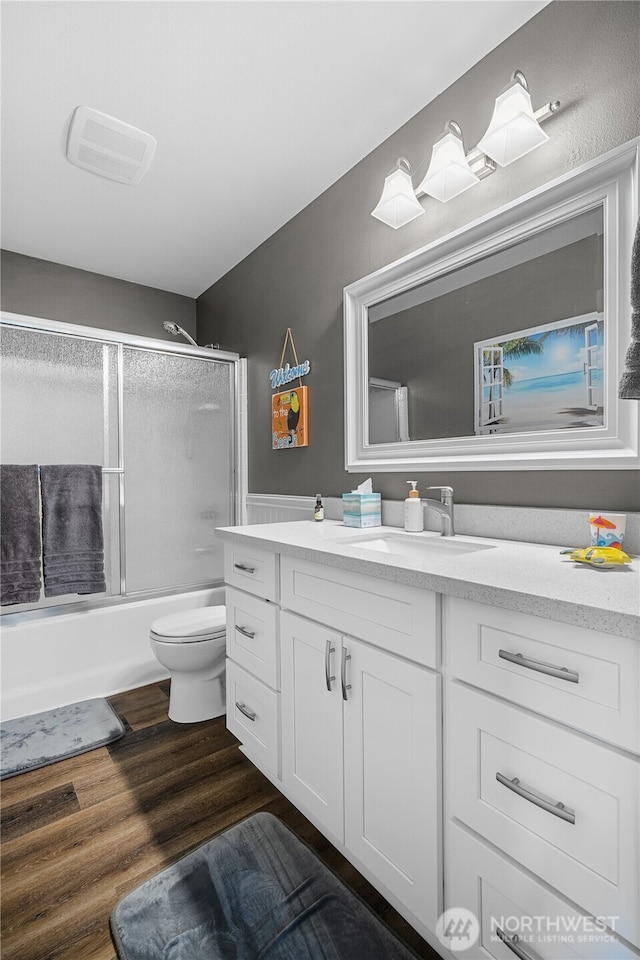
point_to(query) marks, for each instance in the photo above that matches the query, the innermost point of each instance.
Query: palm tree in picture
(518, 347)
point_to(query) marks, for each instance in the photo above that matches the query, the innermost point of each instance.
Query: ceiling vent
(109, 147)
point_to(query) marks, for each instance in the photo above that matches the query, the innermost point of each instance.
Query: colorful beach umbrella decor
(604, 524)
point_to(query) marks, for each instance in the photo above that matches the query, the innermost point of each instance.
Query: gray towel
(72, 529)
(20, 577)
(629, 386)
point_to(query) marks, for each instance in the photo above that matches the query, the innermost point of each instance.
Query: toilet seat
(204, 623)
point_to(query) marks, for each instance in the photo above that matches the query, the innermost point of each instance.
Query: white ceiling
(257, 108)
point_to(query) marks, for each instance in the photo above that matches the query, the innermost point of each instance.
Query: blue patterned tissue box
(361, 509)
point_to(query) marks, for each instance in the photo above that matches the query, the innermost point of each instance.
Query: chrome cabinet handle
(343, 673)
(249, 714)
(246, 633)
(328, 650)
(557, 809)
(562, 673)
(243, 566)
(513, 944)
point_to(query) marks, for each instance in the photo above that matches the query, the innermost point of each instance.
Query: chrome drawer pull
(557, 809)
(328, 650)
(244, 567)
(246, 633)
(513, 944)
(343, 673)
(562, 673)
(249, 714)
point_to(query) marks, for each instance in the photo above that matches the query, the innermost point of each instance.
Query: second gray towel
(73, 540)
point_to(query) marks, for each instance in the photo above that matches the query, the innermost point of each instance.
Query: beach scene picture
(545, 378)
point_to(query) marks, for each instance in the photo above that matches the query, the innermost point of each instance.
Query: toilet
(192, 646)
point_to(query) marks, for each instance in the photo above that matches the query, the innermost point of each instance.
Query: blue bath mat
(255, 890)
(42, 738)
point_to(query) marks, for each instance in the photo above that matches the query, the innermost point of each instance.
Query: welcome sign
(289, 408)
(286, 374)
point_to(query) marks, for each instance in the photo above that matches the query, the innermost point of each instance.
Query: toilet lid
(191, 624)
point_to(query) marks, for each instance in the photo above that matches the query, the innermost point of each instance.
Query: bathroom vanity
(460, 717)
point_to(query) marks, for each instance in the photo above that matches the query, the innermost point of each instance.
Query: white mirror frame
(611, 181)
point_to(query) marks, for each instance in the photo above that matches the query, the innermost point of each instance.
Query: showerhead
(175, 330)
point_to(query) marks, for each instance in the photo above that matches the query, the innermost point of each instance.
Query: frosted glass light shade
(514, 130)
(449, 173)
(398, 204)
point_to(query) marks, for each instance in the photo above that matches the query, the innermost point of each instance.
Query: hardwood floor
(78, 835)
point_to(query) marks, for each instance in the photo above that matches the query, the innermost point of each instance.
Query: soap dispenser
(413, 515)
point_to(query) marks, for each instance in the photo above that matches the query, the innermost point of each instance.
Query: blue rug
(255, 892)
(42, 738)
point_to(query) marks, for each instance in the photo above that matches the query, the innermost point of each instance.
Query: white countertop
(528, 577)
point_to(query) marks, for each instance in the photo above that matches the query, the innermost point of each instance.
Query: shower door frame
(238, 474)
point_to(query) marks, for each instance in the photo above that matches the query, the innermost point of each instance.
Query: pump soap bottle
(413, 515)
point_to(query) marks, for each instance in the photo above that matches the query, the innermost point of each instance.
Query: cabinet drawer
(511, 772)
(253, 715)
(251, 569)
(504, 898)
(404, 620)
(252, 635)
(584, 678)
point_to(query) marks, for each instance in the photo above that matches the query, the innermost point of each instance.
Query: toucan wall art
(289, 419)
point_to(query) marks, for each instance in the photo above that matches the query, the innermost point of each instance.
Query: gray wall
(583, 53)
(38, 288)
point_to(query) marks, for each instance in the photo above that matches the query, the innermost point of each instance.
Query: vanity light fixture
(398, 204)
(449, 173)
(515, 129)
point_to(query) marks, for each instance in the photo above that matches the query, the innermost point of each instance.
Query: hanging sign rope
(289, 409)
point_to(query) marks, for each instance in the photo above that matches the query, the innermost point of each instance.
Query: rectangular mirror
(501, 345)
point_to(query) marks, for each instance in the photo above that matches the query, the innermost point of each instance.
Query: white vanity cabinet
(333, 691)
(558, 802)
(459, 754)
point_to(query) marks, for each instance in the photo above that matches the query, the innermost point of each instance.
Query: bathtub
(93, 653)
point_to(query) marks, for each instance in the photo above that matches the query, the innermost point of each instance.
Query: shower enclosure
(161, 419)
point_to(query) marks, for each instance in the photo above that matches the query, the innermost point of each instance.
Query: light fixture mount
(514, 131)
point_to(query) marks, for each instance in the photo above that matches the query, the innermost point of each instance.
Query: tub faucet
(443, 506)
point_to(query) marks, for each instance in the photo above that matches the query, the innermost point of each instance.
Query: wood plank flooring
(78, 835)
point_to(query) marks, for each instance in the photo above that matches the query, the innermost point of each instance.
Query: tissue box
(361, 509)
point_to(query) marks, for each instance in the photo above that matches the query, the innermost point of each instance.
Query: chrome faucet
(444, 507)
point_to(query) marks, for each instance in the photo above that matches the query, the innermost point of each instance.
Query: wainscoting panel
(272, 508)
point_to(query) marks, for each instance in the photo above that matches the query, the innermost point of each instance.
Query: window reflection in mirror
(511, 343)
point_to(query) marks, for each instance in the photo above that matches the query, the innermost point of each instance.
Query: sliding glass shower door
(160, 423)
(178, 482)
(59, 404)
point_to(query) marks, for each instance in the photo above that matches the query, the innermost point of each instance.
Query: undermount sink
(418, 545)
